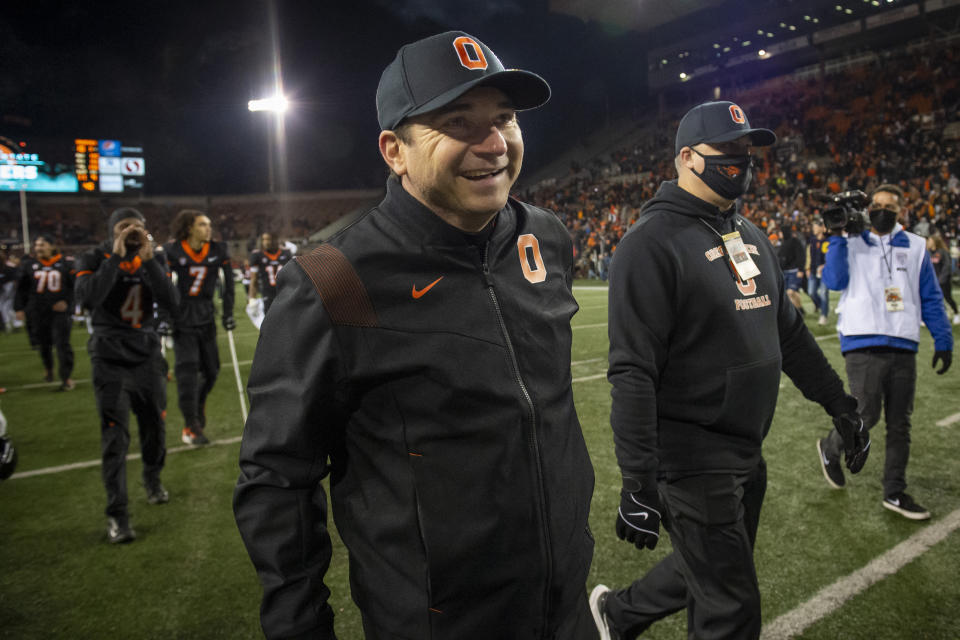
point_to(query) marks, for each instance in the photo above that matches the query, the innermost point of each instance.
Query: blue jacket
(863, 267)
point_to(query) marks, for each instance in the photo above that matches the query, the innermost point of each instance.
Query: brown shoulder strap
(340, 288)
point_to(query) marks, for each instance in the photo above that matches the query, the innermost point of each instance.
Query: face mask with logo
(883, 220)
(728, 175)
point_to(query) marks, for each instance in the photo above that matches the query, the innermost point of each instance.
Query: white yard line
(832, 597)
(52, 385)
(96, 463)
(578, 362)
(136, 456)
(589, 326)
(593, 377)
(42, 385)
(949, 420)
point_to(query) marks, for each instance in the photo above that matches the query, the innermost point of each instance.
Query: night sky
(176, 76)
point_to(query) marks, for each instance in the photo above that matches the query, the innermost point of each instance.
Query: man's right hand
(638, 518)
(120, 240)
(856, 439)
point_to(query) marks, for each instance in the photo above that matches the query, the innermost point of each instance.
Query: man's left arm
(934, 315)
(25, 285)
(805, 364)
(69, 279)
(164, 292)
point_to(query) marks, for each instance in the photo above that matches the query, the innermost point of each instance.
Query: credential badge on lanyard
(739, 257)
(894, 298)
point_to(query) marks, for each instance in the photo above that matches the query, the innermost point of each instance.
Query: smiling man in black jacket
(700, 328)
(421, 358)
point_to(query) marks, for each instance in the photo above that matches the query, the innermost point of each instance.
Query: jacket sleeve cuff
(839, 406)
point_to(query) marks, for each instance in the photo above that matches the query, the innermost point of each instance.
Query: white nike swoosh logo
(895, 503)
(642, 514)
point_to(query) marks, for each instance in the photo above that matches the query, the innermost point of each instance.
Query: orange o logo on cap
(470, 53)
(737, 114)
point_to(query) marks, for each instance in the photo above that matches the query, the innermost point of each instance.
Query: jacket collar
(429, 228)
(670, 196)
(897, 237)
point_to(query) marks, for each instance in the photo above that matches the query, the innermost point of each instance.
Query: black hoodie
(696, 354)
(120, 295)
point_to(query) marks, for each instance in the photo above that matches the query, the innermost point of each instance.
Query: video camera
(846, 212)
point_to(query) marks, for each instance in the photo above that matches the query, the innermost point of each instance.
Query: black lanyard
(885, 261)
(723, 248)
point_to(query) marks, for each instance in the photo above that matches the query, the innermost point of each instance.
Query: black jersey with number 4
(120, 296)
(196, 278)
(267, 265)
(43, 283)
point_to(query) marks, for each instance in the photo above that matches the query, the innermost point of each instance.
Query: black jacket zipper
(532, 440)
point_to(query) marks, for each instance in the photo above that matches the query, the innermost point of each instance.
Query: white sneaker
(956, 318)
(822, 321)
(598, 601)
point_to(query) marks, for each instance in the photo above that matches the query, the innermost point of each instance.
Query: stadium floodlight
(276, 104)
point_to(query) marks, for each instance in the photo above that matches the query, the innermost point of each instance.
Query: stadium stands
(873, 120)
(852, 124)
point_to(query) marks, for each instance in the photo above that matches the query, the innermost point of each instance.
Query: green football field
(832, 564)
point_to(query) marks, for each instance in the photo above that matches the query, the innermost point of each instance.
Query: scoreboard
(87, 165)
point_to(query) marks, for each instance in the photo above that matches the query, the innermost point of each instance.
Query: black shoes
(156, 494)
(194, 436)
(598, 602)
(904, 504)
(901, 503)
(832, 470)
(119, 531)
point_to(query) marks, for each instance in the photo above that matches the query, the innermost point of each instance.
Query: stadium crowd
(869, 124)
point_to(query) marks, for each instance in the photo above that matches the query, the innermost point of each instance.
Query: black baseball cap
(120, 214)
(719, 122)
(429, 73)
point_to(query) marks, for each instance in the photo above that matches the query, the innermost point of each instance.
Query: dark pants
(883, 381)
(576, 625)
(947, 288)
(119, 388)
(266, 304)
(196, 369)
(712, 520)
(51, 330)
(820, 295)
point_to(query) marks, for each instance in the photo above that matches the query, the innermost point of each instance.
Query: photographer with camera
(888, 285)
(119, 282)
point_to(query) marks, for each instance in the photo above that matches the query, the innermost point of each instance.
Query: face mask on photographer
(883, 220)
(728, 175)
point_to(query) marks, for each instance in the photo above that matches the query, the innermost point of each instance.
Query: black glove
(856, 439)
(945, 358)
(229, 323)
(164, 328)
(638, 518)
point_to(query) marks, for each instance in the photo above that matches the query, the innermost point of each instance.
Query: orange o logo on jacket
(470, 54)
